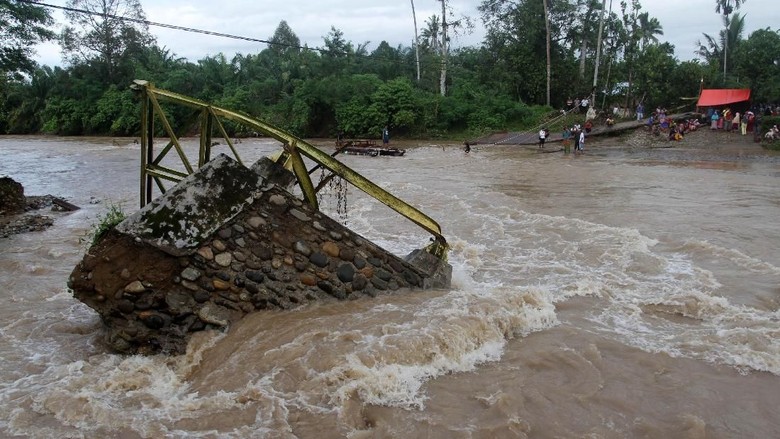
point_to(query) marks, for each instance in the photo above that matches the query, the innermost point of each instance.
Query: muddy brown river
(628, 292)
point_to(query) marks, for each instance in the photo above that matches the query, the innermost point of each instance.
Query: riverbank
(723, 143)
(28, 220)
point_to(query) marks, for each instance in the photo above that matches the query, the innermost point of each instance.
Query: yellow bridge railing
(291, 156)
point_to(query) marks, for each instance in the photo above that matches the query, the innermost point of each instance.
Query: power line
(181, 28)
(217, 34)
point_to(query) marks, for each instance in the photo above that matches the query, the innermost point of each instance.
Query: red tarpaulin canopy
(725, 96)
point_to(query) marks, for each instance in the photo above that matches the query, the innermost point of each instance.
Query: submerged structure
(367, 147)
(227, 240)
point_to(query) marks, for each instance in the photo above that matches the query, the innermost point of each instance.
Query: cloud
(378, 20)
(684, 22)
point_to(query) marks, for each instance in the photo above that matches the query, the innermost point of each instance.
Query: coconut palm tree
(713, 49)
(727, 7)
(430, 34)
(649, 28)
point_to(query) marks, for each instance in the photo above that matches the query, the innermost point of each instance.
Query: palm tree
(710, 49)
(649, 28)
(430, 35)
(713, 49)
(727, 6)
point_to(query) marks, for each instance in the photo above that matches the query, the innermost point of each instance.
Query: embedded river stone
(224, 242)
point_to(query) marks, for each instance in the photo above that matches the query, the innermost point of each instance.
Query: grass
(105, 222)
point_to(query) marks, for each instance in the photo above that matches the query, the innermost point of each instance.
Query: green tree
(26, 100)
(430, 35)
(108, 34)
(386, 62)
(339, 53)
(217, 75)
(649, 28)
(757, 63)
(654, 68)
(354, 114)
(284, 41)
(517, 42)
(585, 32)
(727, 7)
(713, 49)
(22, 25)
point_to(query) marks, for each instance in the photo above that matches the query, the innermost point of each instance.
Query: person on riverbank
(566, 139)
(714, 120)
(727, 118)
(385, 136)
(748, 120)
(542, 137)
(640, 112)
(581, 143)
(736, 121)
(576, 134)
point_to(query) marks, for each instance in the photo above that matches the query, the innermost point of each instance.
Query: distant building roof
(724, 96)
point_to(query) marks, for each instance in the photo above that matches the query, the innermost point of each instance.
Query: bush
(105, 222)
(768, 122)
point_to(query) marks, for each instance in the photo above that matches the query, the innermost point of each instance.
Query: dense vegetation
(342, 86)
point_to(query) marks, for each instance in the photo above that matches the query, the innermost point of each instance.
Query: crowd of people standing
(733, 121)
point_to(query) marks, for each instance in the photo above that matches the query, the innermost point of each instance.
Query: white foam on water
(676, 308)
(658, 300)
(110, 393)
(452, 333)
(734, 256)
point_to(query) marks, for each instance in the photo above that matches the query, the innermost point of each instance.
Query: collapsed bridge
(226, 240)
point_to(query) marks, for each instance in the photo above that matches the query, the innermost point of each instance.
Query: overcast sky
(683, 22)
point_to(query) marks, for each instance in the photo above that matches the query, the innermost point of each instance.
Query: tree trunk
(598, 44)
(725, 49)
(416, 43)
(584, 44)
(444, 49)
(583, 50)
(606, 82)
(549, 67)
(628, 90)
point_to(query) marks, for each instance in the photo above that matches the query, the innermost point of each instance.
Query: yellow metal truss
(291, 156)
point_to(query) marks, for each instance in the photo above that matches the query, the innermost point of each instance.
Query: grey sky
(683, 22)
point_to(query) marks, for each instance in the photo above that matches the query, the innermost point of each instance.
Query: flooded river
(622, 293)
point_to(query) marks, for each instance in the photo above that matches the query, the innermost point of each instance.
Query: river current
(621, 293)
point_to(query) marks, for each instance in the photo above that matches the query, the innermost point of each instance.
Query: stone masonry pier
(228, 241)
